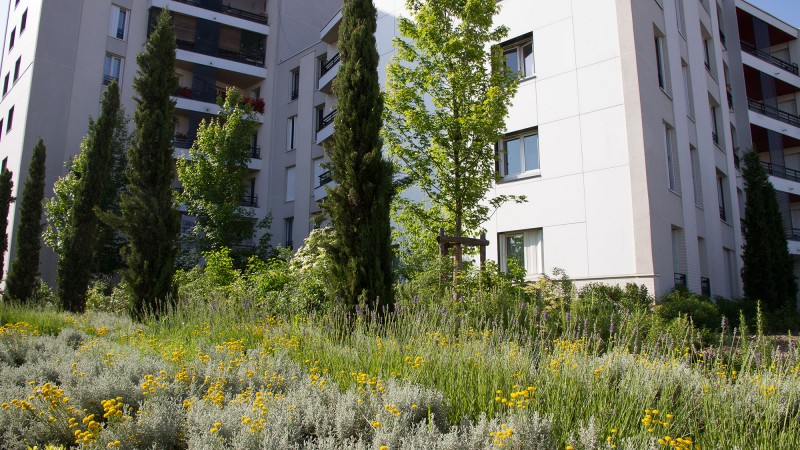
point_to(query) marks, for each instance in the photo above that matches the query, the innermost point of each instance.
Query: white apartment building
(623, 135)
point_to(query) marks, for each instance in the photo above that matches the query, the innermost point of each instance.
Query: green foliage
(6, 187)
(79, 236)
(447, 151)
(768, 271)
(24, 271)
(214, 174)
(359, 204)
(104, 297)
(703, 312)
(147, 216)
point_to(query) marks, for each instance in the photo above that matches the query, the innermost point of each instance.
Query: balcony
(250, 201)
(766, 56)
(327, 72)
(782, 172)
(773, 112)
(181, 140)
(325, 127)
(325, 181)
(255, 152)
(250, 57)
(257, 15)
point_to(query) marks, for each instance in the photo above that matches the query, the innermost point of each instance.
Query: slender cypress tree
(25, 267)
(6, 186)
(80, 238)
(147, 216)
(767, 274)
(359, 204)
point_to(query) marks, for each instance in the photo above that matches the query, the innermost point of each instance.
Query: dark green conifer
(76, 261)
(6, 186)
(359, 204)
(767, 274)
(147, 216)
(24, 269)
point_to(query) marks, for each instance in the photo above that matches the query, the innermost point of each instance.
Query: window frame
(12, 39)
(113, 23)
(518, 45)
(108, 77)
(23, 23)
(291, 133)
(294, 84)
(532, 252)
(661, 63)
(524, 172)
(10, 122)
(6, 84)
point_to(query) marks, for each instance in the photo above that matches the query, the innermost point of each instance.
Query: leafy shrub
(703, 311)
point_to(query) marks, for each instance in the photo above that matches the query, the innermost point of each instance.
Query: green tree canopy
(448, 96)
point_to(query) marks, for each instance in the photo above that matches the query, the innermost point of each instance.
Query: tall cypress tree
(6, 186)
(24, 270)
(359, 204)
(147, 216)
(80, 237)
(768, 273)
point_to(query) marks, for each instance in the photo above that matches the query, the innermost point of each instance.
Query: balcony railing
(705, 286)
(680, 279)
(229, 10)
(328, 65)
(730, 100)
(326, 120)
(771, 111)
(250, 201)
(181, 141)
(722, 214)
(251, 57)
(295, 93)
(325, 178)
(255, 152)
(107, 79)
(715, 138)
(766, 56)
(782, 172)
(795, 234)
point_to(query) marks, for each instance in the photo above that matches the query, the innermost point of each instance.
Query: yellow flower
(384, 447)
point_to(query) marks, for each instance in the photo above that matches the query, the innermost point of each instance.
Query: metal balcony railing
(329, 64)
(715, 138)
(295, 93)
(247, 57)
(781, 171)
(255, 152)
(766, 56)
(250, 201)
(325, 178)
(107, 79)
(794, 235)
(771, 111)
(722, 214)
(326, 120)
(181, 141)
(229, 10)
(680, 279)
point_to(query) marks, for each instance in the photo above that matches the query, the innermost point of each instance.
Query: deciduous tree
(448, 96)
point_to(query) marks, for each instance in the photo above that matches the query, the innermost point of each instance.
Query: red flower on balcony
(256, 103)
(184, 91)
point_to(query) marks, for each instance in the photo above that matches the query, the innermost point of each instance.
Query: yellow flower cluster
(500, 436)
(113, 408)
(367, 384)
(415, 362)
(88, 436)
(651, 421)
(19, 329)
(517, 398)
(151, 383)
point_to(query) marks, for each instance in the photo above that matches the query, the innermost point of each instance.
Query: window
(673, 173)
(288, 232)
(12, 38)
(698, 186)
(291, 132)
(687, 81)
(522, 249)
(112, 69)
(10, 119)
(319, 112)
(17, 66)
(661, 63)
(707, 53)
(290, 182)
(714, 126)
(519, 55)
(1, 134)
(678, 256)
(295, 92)
(24, 22)
(5, 83)
(117, 24)
(520, 155)
(721, 197)
(705, 283)
(681, 16)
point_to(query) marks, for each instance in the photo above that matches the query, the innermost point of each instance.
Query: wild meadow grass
(444, 373)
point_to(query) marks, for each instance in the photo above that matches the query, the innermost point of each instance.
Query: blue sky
(786, 10)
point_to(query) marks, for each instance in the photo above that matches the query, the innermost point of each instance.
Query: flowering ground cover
(419, 378)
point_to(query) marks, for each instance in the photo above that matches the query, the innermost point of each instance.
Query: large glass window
(520, 155)
(523, 250)
(112, 69)
(519, 56)
(118, 22)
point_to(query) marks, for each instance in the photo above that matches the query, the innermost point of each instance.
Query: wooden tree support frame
(445, 242)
